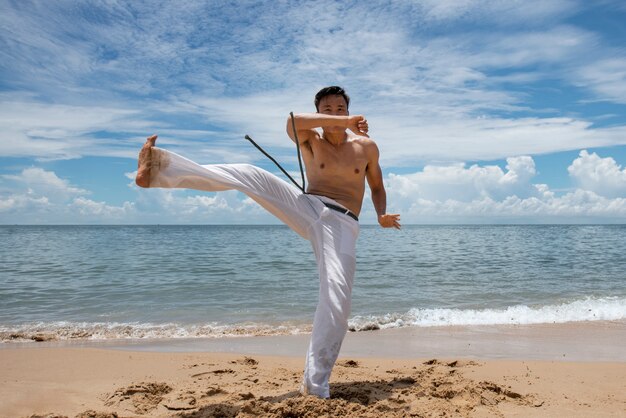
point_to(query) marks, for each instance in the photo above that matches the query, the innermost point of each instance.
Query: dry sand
(93, 382)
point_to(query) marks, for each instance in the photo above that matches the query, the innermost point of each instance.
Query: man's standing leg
(333, 238)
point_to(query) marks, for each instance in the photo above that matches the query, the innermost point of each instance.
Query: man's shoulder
(367, 146)
(363, 141)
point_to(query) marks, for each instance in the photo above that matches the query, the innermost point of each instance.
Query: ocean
(108, 282)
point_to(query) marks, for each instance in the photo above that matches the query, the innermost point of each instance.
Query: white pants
(332, 235)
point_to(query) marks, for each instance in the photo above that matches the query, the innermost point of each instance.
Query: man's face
(334, 105)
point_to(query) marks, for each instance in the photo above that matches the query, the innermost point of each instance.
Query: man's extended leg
(161, 168)
(333, 239)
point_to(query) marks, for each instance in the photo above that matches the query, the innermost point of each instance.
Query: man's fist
(358, 125)
(389, 221)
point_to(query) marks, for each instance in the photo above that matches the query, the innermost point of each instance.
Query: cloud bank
(454, 193)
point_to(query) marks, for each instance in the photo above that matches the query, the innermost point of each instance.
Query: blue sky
(484, 111)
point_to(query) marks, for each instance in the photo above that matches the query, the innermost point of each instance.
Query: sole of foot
(144, 162)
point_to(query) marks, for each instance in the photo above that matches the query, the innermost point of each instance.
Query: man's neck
(335, 138)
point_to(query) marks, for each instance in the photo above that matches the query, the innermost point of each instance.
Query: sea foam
(587, 309)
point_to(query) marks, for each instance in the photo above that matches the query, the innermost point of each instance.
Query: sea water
(103, 282)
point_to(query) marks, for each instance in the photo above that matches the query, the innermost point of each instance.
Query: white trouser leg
(286, 202)
(333, 239)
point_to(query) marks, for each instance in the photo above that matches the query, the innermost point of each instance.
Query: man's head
(331, 98)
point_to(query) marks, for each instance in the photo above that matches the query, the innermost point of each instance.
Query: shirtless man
(337, 164)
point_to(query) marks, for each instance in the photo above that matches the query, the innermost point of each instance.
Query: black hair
(331, 91)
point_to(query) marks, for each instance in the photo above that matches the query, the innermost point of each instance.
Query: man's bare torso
(341, 157)
(337, 171)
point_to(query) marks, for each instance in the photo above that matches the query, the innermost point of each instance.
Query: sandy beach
(181, 378)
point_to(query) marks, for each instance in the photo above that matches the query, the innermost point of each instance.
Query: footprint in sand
(140, 398)
(349, 363)
(93, 414)
(219, 371)
(246, 361)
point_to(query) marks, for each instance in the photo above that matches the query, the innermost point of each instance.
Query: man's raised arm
(306, 122)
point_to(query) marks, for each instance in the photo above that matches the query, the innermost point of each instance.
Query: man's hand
(389, 221)
(358, 125)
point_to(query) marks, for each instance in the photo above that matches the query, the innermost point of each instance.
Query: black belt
(342, 210)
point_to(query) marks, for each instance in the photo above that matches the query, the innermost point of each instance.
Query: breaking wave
(587, 309)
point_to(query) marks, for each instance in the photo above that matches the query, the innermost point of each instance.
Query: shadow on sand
(347, 399)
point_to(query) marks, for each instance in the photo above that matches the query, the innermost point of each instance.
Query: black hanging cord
(293, 124)
(295, 134)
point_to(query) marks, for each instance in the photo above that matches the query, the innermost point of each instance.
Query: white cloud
(15, 202)
(577, 206)
(91, 209)
(606, 78)
(36, 196)
(558, 45)
(404, 141)
(455, 193)
(456, 182)
(601, 175)
(179, 206)
(40, 181)
(57, 131)
(516, 12)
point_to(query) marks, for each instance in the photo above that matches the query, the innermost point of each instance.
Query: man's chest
(344, 160)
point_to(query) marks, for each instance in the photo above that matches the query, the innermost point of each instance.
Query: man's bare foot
(145, 162)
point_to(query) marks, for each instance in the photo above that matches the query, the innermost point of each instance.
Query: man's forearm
(379, 199)
(319, 120)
